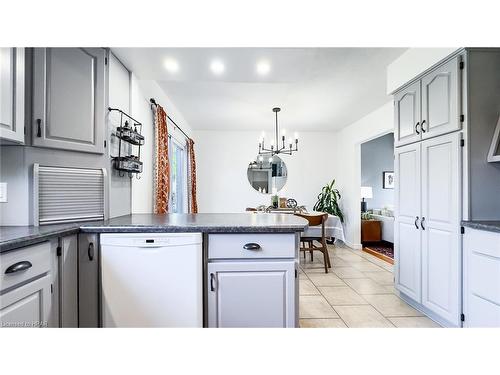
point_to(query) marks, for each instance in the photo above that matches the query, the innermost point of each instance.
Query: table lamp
(366, 192)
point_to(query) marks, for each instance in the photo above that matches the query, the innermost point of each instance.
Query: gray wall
(377, 156)
(484, 109)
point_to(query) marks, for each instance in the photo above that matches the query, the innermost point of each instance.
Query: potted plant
(328, 201)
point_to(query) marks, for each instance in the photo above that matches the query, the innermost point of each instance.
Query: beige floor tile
(315, 307)
(382, 277)
(367, 266)
(362, 317)
(391, 289)
(337, 262)
(391, 305)
(352, 258)
(338, 296)
(325, 279)
(322, 323)
(306, 287)
(348, 273)
(318, 270)
(414, 322)
(303, 276)
(366, 286)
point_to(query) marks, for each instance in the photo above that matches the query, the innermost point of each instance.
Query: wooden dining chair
(315, 220)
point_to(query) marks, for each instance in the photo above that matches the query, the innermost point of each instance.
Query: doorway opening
(377, 197)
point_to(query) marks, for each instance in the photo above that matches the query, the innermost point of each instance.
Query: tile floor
(358, 291)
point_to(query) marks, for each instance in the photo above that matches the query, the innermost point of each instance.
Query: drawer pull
(252, 246)
(18, 267)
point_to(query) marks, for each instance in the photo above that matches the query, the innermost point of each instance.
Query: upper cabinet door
(407, 234)
(440, 100)
(69, 98)
(440, 224)
(407, 115)
(12, 94)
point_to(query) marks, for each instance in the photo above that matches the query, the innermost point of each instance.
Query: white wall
(348, 156)
(119, 97)
(222, 160)
(412, 63)
(141, 92)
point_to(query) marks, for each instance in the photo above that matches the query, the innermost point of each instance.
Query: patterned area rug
(383, 251)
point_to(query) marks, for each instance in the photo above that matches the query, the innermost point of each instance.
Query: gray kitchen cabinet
(68, 281)
(88, 280)
(27, 305)
(12, 81)
(69, 98)
(251, 280)
(407, 115)
(54, 275)
(251, 294)
(440, 100)
(26, 285)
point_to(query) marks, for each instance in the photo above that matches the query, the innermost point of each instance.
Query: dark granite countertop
(490, 226)
(14, 237)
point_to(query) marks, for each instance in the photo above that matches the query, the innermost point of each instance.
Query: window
(178, 177)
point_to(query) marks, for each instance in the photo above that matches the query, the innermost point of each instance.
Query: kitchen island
(248, 266)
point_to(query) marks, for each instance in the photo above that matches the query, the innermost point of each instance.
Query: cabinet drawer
(38, 257)
(483, 264)
(232, 246)
(483, 242)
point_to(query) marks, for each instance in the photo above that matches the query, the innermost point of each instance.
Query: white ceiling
(317, 88)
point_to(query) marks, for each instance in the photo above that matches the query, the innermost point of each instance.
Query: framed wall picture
(388, 180)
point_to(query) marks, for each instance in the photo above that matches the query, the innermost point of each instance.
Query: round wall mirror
(267, 174)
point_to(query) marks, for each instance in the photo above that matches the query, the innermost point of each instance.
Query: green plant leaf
(328, 201)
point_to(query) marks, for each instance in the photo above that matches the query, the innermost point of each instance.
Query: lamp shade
(366, 192)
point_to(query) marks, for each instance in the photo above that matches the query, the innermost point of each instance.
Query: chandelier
(275, 147)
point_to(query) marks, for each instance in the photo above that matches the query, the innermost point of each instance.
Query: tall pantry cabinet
(428, 193)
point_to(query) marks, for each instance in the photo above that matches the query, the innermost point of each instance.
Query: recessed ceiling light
(263, 67)
(217, 67)
(171, 65)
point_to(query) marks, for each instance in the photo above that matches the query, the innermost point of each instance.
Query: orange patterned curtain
(193, 204)
(161, 164)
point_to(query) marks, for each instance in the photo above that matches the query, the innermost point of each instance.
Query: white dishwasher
(152, 280)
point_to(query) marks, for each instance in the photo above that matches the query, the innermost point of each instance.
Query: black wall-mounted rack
(128, 133)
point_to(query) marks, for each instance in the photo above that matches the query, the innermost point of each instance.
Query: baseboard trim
(427, 312)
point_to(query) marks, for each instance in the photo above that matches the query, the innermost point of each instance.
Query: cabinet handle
(212, 280)
(39, 127)
(422, 127)
(422, 223)
(416, 127)
(251, 246)
(90, 251)
(416, 222)
(18, 267)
